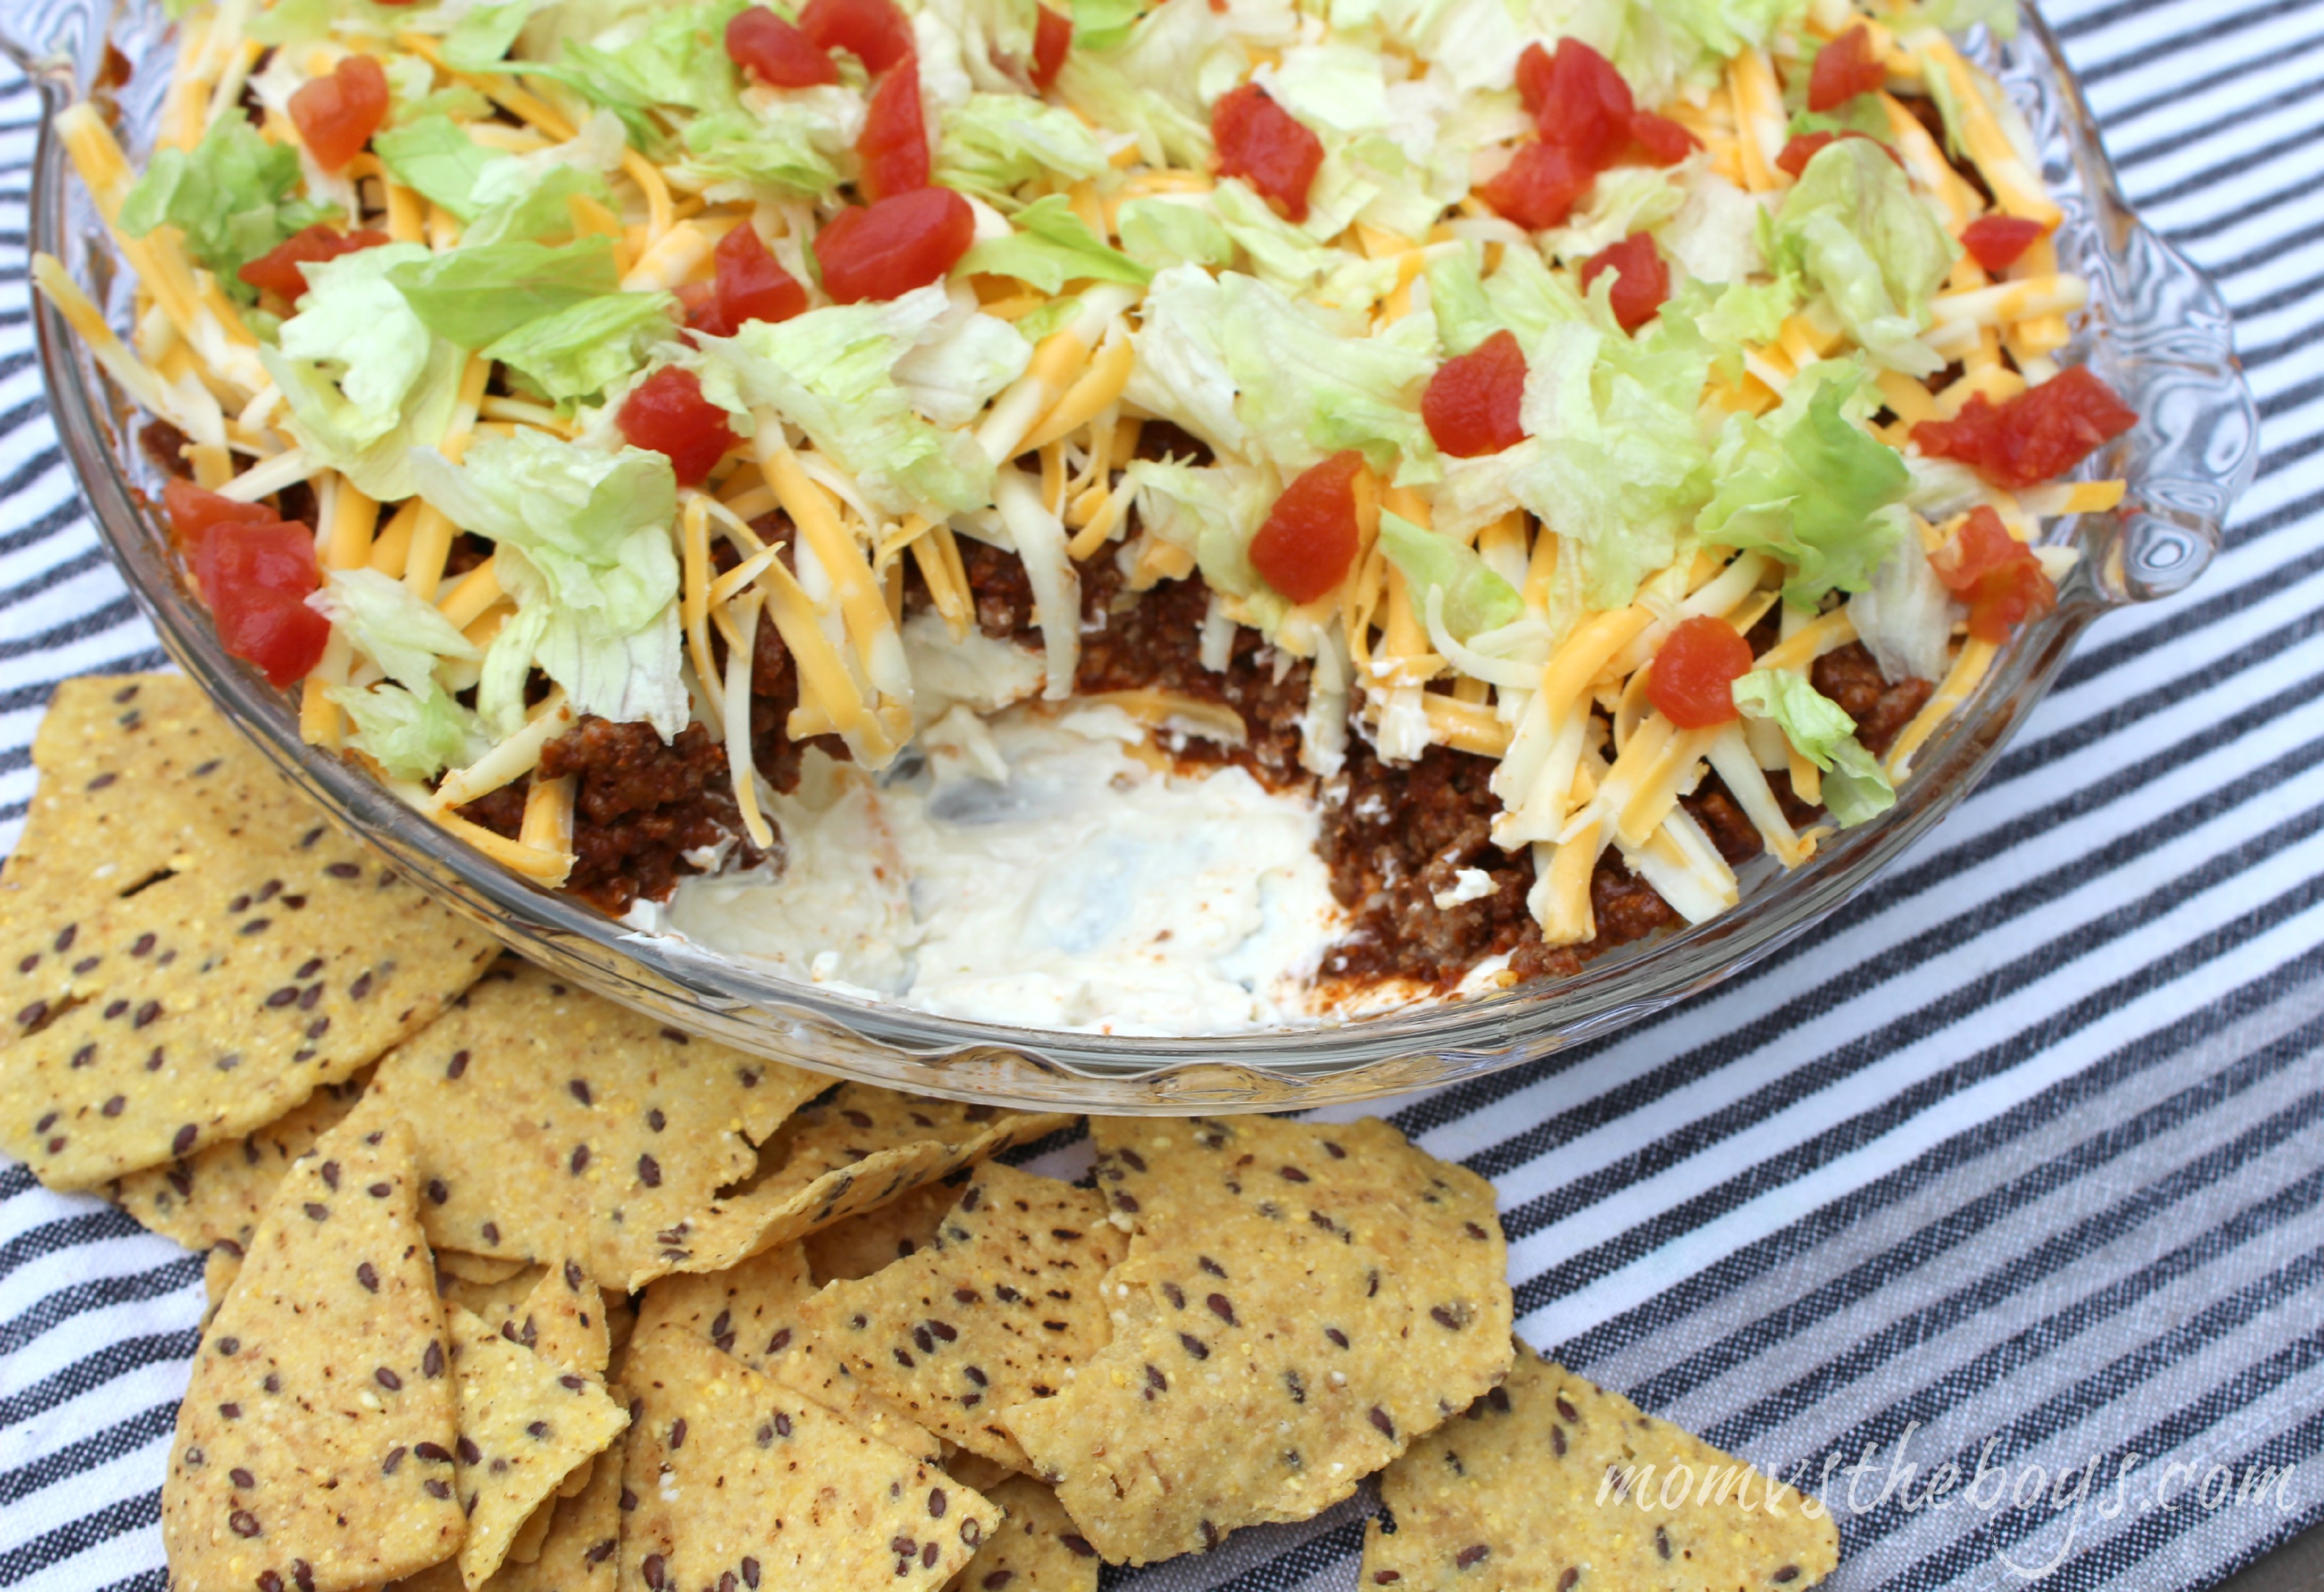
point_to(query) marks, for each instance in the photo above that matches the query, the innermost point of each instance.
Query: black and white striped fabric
(2018, 1164)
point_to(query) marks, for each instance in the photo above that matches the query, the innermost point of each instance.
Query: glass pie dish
(2156, 331)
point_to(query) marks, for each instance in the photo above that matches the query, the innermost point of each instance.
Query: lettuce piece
(1998, 17)
(1279, 254)
(483, 33)
(435, 158)
(1050, 248)
(1662, 45)
(365, 380)
(996, 144)
(1456, 298)
(520, 196)
(1159, 232)
(1103, 24)
(230, 195)
(1212, 511)
(1167, 133)
(1853, 226)
(673, 57)
(1735, 317)
(1529, 299)
(474, 297)
(831, 373)
(1716, 233)
(1808, 486)
(584, 546)
(1334, 88)
(796, 148)
(952, 376)
(580, 351)
(391, 625)
(1813, 722)
(411, 734)
(540, 215)
(1476, 599)
(1475, 43)
(1623, 200)
(1180, 372)
(1856, 790)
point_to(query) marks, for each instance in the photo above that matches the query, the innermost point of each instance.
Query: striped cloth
(2018, 1161)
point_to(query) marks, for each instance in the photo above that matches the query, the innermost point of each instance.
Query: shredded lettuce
(954, 374)
(1903, 616)
(1160, 233)
(1716, 233)
(392, 625)
(995, 143)
(365, 380)
(542, 214)
(584, 546)
(411, 734)
(1476, 599)
(1279, 254)
(1456, 298)
(230, 195)
(1102, 25)
(795, 143)
(1166, 132)
(434, 157)
(474, 297)
(1813, 722)
(1212, 511)
(1856, 789)
(1810, 485)
(1051, 246)
(483, 33)
(673, 57)
(580, 351)
(1853, 226)
(1332, 88)
(1623, 200)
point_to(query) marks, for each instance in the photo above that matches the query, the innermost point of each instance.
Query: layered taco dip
(1151, 518)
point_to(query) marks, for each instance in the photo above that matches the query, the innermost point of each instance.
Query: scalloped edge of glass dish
(2157, 330)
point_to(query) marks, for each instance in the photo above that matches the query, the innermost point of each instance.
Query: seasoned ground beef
(1849, 676)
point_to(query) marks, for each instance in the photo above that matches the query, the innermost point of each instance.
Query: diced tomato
(2037, 436)
(894, 143)
(1471, 404)
(1692, 681)
(668, 415)
(255, 572)
(276, 271)
(1844, 69)
(1053, 35)
(1579, 102)
(1540, 188)
(873, 31)
(1805, 147)
(885, 250)
(336, 116)
(1998, 574)
(1665, 143)
(1261, 142)
(1309, 539)
(1641, 282)
(752, 285)
(775, 53)
(1996, 241)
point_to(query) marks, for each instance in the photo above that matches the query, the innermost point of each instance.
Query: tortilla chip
(188, 949)
(852, 1153)
(1327, 1286)
(1004, 1305)
(315, 1443)
(862, 1244)
(1035, 1550)
(554, 1123)
(751, 1311)
(583, 1550)
(525, 1422)
(737, 1474)
(484, 1269)
(495, 1301)
(220, 1268)
(524, 1547)
(217, 1195)
(563, 1320)
(1517, 1495)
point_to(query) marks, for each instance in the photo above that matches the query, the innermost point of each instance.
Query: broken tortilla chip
(217, 1195)
(865, 1242)
(1034, 1547)
(1552, 1481)
(314, 1446)
(582, 1550)
(735, 1474)
(1002, 1306)
(188, 949)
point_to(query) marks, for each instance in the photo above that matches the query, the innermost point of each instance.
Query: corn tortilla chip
(1550, 1481)
(188, 950)
(314, 1447)
(1002, 1305)
(1328, 1286)
(495, 1301)
(552, 1123)
(563, 1320)
(525, 1422)
(737, 1474)
(216, 1196)
(581, 1551)
(486, 1269)
(751, 1311)
(862, 1244)
(1034, 1549)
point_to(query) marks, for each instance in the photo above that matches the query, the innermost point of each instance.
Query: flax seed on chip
(1550, 1481)
(315, 1444)
(863, 1242)
(217, 1195)
(188, 950)
(1034, 1549)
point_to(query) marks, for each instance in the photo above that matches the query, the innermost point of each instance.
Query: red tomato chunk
(1053, 35)
(1540, 188)
(752, 285)
(1641, 279)
(256, 571)
(1995, 242)
(885, 250)
(1259, 142)
(775, 53)
(1579, 102)
(1471, 404)
(1998, 574)
(1806, 146)
(1692, 682)
(276, 271)
(336, 116)
(894, 143)
(1309, 539)
(1844, 69)
(668, 415)
(873, 31)
(2037, 436)
(1665, 142)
